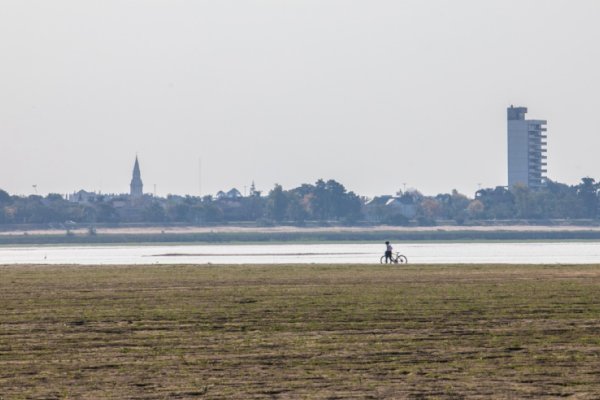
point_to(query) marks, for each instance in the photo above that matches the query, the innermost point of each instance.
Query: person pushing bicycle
(388, 252)
(390, 258)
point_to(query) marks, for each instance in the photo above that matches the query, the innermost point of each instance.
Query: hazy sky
(373, 94)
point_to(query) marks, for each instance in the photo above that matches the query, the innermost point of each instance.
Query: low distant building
(403, 206)
(233, 194)
(119, 203)
(83, 196)
(381, 207)
(378, 201)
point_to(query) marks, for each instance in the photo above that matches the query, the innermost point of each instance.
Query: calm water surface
(430, 253)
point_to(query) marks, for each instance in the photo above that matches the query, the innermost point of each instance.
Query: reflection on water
(429, 253)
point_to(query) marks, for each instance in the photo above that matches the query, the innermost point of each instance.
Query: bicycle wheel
(402, 259)
(382, 260)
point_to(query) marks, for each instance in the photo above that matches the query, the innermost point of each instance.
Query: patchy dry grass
(331, 332)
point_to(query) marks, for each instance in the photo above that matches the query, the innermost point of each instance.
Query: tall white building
(526, 149)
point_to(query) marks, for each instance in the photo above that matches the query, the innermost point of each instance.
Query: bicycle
(397, 258)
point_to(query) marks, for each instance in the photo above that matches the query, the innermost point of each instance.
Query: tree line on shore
(322, 202)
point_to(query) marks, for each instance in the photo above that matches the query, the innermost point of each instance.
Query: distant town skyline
(378, 96)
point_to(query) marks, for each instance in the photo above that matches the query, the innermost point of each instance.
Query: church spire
(136, 186)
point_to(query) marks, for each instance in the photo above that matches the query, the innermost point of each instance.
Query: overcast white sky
(373, 94)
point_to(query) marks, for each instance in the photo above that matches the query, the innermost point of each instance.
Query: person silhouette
(388, 252)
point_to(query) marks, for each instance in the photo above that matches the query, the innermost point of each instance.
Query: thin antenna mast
(200, 176)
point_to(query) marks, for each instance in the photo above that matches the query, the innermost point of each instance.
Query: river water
(427, 253)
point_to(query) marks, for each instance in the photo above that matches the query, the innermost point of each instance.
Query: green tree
(277, 203)
(179, 212)
(330, 200)
(296, 209)
(475, 209)
(154, 212)
(499, 203)
(106, 212)
(587, 192)
(4, 198)
(524, 202)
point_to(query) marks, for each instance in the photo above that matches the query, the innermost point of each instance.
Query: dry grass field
(289, 332)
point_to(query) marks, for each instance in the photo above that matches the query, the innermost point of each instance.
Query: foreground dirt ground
(312, 331)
